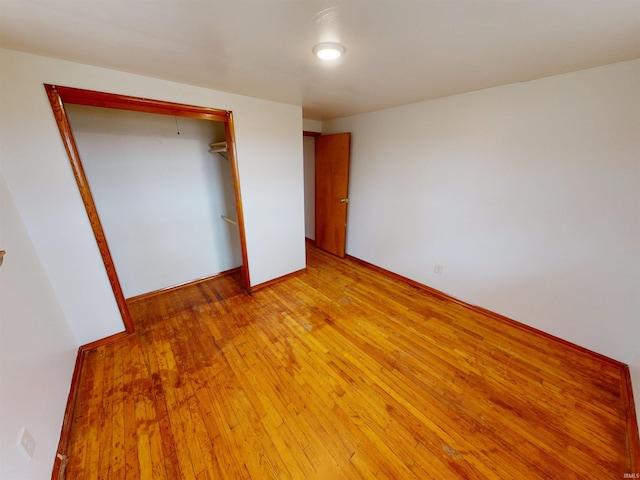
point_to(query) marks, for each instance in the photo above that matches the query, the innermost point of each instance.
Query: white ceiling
(398, 51)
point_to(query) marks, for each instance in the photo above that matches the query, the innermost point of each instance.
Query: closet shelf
(218, 147)
(229, 220)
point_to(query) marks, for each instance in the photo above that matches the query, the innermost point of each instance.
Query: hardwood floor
(340, 372)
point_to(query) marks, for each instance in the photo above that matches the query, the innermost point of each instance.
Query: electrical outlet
(437, 268)
(26, 444)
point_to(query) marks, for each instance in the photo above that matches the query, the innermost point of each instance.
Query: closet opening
(149, 165)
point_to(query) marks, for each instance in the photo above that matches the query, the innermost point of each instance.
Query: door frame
(316, 135)
(308, 133)
(59, 96)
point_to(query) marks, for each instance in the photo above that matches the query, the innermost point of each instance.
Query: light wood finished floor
(340, 372)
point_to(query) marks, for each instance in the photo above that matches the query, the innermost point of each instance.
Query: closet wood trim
(91, 98)
(235, 174)
(62, 121)
(59, 95)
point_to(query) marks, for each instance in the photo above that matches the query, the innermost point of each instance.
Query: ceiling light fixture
(328, 50)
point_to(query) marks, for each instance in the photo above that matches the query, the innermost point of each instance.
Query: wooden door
(332, 188)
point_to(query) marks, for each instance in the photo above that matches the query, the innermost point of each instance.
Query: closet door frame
(59, 96)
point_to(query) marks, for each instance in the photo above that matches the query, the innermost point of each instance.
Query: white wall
(309, 146)
(310, 187)
(35, 165)
(309, 125)
(159, 195)
(37, 352)
(527, 194)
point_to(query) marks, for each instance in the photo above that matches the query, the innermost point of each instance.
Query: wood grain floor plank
(98, 411)
(132, 467)
(341, 372)
(105, 428)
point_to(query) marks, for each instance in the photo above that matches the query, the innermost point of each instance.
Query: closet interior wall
(160, 195)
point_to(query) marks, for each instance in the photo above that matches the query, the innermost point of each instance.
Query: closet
(163, 189)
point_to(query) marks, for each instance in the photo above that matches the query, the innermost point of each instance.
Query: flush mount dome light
(328, 50)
